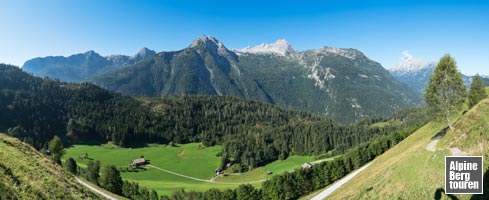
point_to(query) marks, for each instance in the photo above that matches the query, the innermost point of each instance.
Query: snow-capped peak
(280, 47)
(410, 64)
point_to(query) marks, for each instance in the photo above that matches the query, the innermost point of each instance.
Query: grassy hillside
(27, 174)
(410, 171)
(472, 132)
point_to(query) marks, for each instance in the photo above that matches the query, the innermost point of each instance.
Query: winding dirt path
(95, 189)
(432, 145)
(457, 152)
(205, 180)
(338, 184)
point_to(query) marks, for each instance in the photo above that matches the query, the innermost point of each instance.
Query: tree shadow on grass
(485, 188)
(440, 191)
(441, 133)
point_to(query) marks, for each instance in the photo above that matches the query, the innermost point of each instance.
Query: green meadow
(191, 160)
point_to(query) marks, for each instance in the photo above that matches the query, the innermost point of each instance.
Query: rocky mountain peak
(344, 52)
(409, 64)
(280, 47)
(144, 53)
(207, 41)
(90, 53)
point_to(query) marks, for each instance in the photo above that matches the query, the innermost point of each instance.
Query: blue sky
(380, 29)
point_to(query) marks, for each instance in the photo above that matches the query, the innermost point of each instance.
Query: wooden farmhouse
(138, 162)
(306, 165)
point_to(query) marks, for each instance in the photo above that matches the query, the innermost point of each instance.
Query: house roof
(306, 164)
(139, 160)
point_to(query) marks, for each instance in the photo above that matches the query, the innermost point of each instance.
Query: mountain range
(341, 83)
(83, 66)
(416, 73)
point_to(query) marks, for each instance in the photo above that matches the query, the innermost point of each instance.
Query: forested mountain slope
(252, 133)
(341, 83)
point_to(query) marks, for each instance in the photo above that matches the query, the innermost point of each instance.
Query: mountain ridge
(327, 80)
(341, 83)
(82, 66)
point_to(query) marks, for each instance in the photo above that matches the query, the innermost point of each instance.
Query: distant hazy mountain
(342, 83)
(413, 72)
(416, 73)
(83, 66)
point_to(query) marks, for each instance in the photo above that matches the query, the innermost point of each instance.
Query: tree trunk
(448, 120)
(447, 102)
(449, 124)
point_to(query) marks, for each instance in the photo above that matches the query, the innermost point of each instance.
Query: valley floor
(185, 166)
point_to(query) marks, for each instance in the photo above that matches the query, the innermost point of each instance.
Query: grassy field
(186, 159)
(380, 124)
(276, 167)
(410, 171)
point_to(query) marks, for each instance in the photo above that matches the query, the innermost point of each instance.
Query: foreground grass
(409, 171)
(27, 174)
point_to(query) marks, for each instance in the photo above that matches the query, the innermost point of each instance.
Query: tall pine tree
(477, 91)
(111, 179)
(445, 93)
(56, 149)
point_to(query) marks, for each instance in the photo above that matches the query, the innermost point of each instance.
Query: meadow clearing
(192, 160)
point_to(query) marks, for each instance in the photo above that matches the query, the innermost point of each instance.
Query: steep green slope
(472, 133)
(412, 170)
(27, 174)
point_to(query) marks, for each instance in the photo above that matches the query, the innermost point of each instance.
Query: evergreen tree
(70, 165)
(153, 195)
(93, 169)
(56, 149)
(445, 93)
(477, 91)
(247, 192)
(111, 179)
